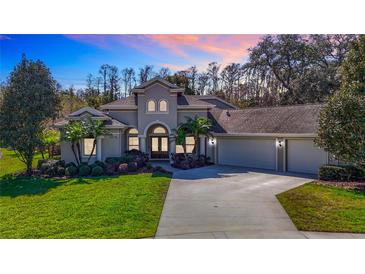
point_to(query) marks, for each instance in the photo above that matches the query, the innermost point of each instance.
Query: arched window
(163, 106)
(133, 141)
(159, 130)
(151, 106)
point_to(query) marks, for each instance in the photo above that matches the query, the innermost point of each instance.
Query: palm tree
(95, 129)
(74, 132)
(195, 127)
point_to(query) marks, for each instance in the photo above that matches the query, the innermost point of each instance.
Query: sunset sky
(72, 57)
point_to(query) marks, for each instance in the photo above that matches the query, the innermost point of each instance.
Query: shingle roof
(108, 123)
(298, 119)
(94, 112)
(130, 101)
(191, 100)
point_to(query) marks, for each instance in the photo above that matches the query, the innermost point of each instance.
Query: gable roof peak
(92, 111)
(160, 80)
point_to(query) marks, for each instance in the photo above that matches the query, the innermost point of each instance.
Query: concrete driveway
(227, 202)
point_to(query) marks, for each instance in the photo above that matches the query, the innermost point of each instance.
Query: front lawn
(316, 207)
(126, 206)
(10, 163)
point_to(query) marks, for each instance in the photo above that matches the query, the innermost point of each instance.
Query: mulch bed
(356, 185)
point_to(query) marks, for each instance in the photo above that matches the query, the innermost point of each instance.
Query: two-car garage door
(302, 155)
(256, 153)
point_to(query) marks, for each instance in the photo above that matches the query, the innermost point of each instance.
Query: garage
(304, 157)
(255, 153)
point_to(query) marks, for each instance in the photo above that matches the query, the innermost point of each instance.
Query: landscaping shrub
(70, 164)
(340, 173)
(101, 164)
(149, 166)
(123, 168)
(44, 167)
(84, 170)
(113, 160)
(71, 171)
(186, 161)
(92, 166)
(40, 162)
(61, 171)
(97, 171)
(132, 166)
(110, 168)
(127, 158)
(61, 163)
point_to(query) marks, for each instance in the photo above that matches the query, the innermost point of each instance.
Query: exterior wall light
(212, 141)
(280, 143)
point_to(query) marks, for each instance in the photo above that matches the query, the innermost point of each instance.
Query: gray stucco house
(274, 138)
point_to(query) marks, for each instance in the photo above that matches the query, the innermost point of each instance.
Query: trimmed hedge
(340, 173)
(97, 171)
(84, 170)
(71, 171)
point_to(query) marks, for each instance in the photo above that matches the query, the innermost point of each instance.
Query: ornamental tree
(342, 127)
(29, 101)
(342, 120)
(194, 127)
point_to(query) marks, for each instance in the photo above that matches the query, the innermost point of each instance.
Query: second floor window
(163, 106)
(151, 106)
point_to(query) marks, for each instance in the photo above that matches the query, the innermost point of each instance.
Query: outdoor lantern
(212, 141)
(280, 143)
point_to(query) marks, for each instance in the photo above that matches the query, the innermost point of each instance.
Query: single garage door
(304, 157)
(256, 153)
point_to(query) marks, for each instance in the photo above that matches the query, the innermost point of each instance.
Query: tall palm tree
(95, 129)
(195, 127)
(74, 132)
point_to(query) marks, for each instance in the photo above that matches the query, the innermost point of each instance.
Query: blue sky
(71, 57)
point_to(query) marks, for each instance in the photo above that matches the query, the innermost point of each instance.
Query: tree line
(280, 70)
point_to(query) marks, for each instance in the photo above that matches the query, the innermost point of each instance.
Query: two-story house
(274, 138)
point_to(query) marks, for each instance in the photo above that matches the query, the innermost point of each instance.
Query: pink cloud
(227, 48)
(199, 49)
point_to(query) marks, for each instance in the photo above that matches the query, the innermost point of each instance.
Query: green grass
(10, 163)
(315, 207)
(126, 206)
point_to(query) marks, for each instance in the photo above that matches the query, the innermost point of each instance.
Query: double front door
(159, 147)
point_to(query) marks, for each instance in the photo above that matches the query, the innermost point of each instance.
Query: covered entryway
(247, 152)
(158, 142)
(304, 156)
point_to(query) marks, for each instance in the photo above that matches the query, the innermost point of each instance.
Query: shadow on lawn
(17, 186)
(12, 186)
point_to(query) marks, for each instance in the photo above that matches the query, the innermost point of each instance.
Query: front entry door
(159, 147)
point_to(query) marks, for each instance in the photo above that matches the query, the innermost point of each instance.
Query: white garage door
(256, 153)
(303, 156)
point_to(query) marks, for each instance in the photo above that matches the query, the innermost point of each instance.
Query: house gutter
(275, 135)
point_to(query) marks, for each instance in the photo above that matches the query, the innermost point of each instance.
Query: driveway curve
(228, 202)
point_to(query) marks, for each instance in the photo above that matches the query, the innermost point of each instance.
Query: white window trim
(134, 135)
(156, 106)
(167, 106)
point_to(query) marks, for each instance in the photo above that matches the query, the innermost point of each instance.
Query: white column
(172, 144)
(202, 145)
(98, 149)
(142, 144)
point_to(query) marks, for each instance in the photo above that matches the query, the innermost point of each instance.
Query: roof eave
(276, 135)
(195, 107)
(117, 107)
